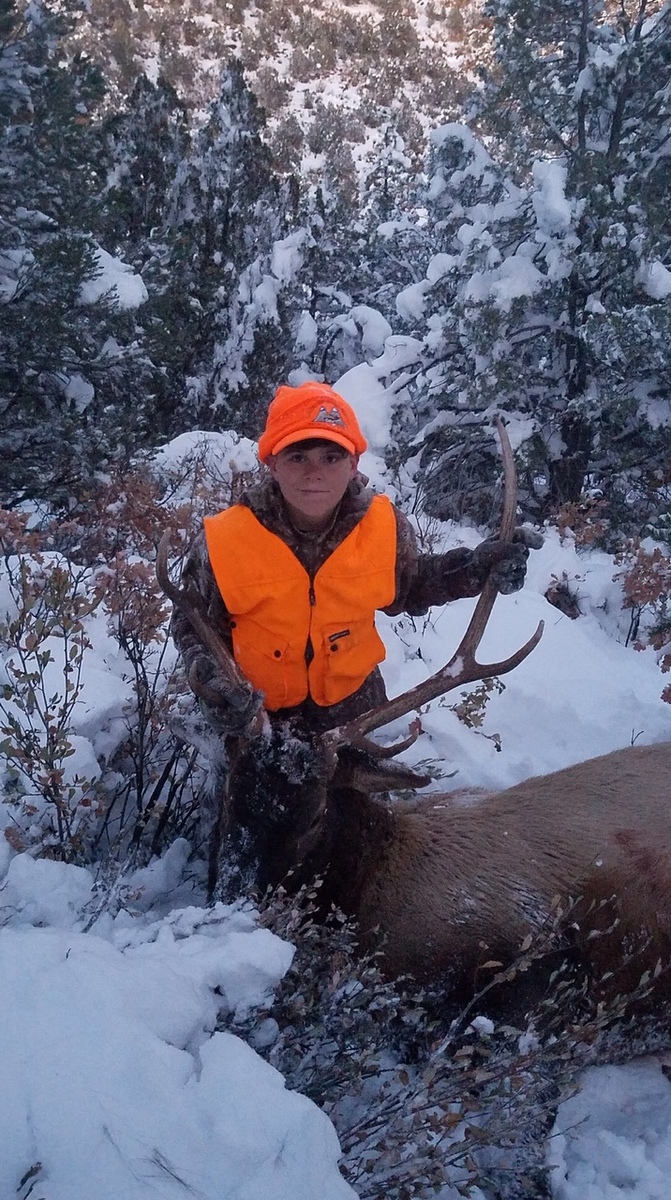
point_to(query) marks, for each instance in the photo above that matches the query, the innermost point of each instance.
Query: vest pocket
(350, 652)
(264, 659)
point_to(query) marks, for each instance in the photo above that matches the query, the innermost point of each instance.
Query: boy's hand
(505, 563)
(227, 707)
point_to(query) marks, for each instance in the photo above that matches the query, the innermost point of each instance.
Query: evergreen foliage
(528, 272)
(66, 366)
(548, 297)
(228, 212)
(145, 145)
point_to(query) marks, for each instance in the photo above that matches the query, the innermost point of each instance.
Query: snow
(553, 211)
(119, 1085)
(655, 278)
(363, 388)
(616, 1136)
(118, 1081)
(115, 281)
(218, 455)
(517, 276)
(307, 333)
(80, 390)
(411, 301)
(439, 266)
(287, 255)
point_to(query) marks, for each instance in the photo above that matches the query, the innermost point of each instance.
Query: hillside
(331, 77)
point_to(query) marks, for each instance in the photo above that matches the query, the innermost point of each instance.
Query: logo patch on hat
(324, 417)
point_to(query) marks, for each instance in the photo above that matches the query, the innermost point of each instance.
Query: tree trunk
(567, 473)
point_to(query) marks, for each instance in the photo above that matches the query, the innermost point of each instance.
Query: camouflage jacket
(422, 580)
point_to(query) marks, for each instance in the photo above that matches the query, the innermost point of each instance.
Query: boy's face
(313, 477)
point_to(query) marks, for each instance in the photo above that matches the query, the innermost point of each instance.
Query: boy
(293, 574)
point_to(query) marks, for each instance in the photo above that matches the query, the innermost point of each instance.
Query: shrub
(646, 583)
(44, 634)
(422, 1096)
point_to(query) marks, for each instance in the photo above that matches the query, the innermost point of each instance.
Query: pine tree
(358, 252)
(66, 368)
(146, 144)
(228, 212)
(552, 299)
(477, 218)
(586, 85)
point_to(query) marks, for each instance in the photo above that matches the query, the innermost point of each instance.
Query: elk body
(445, 884)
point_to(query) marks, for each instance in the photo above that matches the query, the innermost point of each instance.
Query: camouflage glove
(505, 563)
(226, 706)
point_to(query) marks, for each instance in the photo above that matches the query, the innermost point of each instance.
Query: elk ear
(366, 774)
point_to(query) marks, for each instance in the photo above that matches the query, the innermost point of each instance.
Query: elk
(448, 884)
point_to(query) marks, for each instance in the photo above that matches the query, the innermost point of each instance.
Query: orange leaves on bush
(646, 578)
(134, 599)
(646, 584)
(15, 537)
(584, 519)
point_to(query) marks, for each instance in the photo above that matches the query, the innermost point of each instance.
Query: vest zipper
(309, 648)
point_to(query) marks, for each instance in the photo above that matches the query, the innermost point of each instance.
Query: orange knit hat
(313, 410)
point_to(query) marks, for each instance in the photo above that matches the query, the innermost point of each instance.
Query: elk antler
(192, 606)
(462, 667)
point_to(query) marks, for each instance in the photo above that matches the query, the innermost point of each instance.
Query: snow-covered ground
(116, 1084)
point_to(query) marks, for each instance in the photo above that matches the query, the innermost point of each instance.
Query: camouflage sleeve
(198, 580)
(426, 579)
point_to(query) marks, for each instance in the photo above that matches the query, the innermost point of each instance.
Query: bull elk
(446, 883)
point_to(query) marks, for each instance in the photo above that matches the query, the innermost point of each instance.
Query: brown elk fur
(449, 882)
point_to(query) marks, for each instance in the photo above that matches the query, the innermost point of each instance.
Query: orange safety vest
(275, 608)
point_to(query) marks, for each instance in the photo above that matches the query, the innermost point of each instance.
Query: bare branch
(192, 607)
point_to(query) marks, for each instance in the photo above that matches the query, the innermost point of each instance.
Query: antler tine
(462, 667)
(191, 606)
